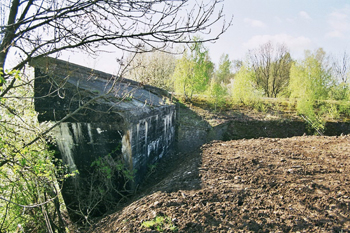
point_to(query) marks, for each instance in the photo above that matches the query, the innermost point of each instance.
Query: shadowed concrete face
(118, 118)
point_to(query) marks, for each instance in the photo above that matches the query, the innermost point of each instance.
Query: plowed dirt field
(298, 184)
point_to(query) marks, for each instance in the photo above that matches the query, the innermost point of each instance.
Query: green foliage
(193, 71)
(183, 75)
(310, 78)
(243, 90)
(151, 169)
(109, 168)
(310, 82)
(217, 90)
(344, 107)
(217, 93)
(271, 65)
(29, 195)
(110, 179)
(160, 224)
(2, 79)
(223, 73)
(339, 91)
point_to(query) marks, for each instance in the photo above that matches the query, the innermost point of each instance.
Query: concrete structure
(102, 116)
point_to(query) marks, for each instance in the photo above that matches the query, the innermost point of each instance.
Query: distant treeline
(268, 71)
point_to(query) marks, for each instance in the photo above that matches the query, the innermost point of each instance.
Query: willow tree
(32, 29)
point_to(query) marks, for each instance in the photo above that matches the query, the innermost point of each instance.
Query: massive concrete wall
(151, 138)
(101, 116)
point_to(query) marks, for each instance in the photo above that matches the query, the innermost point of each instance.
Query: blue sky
(299, 24)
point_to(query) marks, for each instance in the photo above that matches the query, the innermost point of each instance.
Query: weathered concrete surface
(193, 131)
(101, 116)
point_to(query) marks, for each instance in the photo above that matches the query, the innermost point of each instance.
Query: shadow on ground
(248, 185)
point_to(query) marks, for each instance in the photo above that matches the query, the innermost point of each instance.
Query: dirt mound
(258, 185)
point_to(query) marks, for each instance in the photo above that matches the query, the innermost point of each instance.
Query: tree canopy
(193, 71)
(271, 64)
(154, 69)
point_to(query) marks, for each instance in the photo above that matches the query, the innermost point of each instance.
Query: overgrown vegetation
(29, 192)
(108, 184)
(160, 224)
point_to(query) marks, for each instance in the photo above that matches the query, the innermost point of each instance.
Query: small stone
(153, 214)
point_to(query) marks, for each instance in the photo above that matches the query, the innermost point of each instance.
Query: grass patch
(160, 224)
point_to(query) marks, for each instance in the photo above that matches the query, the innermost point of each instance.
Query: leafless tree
(341, 68)
(340, 71)
(271, 64)
(37, 28)
(32, 29)
(154, 69)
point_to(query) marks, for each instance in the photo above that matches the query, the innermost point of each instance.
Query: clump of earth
(297, 184)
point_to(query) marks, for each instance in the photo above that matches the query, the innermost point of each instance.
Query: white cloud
(339, 23)
(295, 44)
(254, 23)
(335, 34)
(278, 19)
(290, 20)
(304, 15)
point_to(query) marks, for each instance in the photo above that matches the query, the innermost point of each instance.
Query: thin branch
(28, 206)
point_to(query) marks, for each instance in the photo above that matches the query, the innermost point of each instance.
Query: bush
(29, 192)
(243, 90)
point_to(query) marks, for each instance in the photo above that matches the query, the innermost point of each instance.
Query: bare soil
(298, 184)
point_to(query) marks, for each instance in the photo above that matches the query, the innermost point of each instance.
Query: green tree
(311, 77)
(193, 71)
(223, 73)
(271, 64)
(183, 75)
(217, 92)
(218, 83)
(244, 90)
(310, 82)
